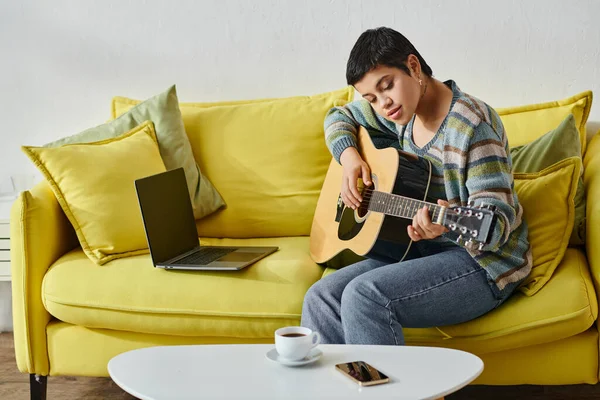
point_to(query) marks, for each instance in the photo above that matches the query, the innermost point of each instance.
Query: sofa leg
(37, 386)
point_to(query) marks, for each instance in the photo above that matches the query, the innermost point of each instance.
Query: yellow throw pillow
(548, 204)
(524, 124)
(175, 150)
(94, 185)
(267, 158)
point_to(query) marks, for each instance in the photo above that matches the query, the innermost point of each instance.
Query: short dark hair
(381, 46)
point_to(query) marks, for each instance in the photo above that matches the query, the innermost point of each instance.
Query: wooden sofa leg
(37, 386)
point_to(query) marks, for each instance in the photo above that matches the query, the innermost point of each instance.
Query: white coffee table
(244, 372)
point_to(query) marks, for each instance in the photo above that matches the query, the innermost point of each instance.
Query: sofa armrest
(40, 233)
(591, 179)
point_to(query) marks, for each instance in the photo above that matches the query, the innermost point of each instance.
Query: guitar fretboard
(400, 206)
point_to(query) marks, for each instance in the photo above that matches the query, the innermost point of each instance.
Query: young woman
(442, 282)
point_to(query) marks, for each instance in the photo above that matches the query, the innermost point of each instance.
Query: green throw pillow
(558, 144)
(175, 149)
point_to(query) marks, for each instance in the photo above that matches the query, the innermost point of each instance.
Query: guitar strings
(368, 196)
(432, 207)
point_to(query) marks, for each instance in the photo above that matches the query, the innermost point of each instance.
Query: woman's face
(392, 93)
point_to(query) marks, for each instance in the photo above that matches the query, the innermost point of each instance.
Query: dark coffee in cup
(293, 335)
(295, 342)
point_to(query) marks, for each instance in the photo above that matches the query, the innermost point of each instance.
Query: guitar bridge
(340, 208)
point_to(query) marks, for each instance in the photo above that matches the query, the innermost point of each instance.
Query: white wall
(62, 61)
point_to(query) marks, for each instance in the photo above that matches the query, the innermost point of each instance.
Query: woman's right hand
(354, 167)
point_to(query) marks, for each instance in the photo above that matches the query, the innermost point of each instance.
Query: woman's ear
(414, 65)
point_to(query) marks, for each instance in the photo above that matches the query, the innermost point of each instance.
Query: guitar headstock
(472, 223)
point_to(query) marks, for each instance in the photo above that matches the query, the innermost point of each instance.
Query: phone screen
(362, 372)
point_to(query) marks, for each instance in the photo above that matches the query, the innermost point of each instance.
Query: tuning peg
(471, 203)
(469, 213)
(479, 215)
(463, 230)
(481, 246)
(458, 210)
(452, 227)
(474, 233)
(460, 238)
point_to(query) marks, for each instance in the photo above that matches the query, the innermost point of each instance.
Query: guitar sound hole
(363, 209)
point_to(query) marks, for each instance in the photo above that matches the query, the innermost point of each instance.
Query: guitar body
(337, 228)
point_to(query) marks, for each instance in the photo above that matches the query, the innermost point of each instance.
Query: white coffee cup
(295, 342)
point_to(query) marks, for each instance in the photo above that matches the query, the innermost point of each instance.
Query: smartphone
(362, 373)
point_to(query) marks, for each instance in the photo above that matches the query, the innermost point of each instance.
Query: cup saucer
(311, 357)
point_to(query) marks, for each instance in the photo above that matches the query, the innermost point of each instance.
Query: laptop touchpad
(238, 256)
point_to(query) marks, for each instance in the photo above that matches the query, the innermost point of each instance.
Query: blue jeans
(370, 302)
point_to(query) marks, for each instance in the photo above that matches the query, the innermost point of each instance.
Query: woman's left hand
(423, 228)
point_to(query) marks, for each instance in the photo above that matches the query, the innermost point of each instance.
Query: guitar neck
(401, 206)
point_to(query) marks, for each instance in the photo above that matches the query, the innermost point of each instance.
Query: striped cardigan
(470, 160)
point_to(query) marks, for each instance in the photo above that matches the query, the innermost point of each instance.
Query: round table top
(244, 371)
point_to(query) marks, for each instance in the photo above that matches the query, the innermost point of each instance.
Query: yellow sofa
(72, 316)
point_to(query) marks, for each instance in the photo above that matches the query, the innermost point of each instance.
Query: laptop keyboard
(206, 255)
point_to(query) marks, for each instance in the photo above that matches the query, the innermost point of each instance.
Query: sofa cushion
(565, 306)
(130, 294)
(93, 183)
(524, 124)
(163, 110)
(547, 198)
(267, 158)
(556, 145)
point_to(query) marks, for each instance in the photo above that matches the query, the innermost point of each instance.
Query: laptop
(171, 229)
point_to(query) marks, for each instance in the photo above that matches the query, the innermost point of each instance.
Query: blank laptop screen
(167, 213)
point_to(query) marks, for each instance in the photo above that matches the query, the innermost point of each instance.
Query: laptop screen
(167, 213)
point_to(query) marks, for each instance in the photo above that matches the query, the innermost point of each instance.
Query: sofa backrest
(267, 158)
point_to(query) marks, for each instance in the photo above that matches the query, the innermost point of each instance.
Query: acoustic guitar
(399, 188)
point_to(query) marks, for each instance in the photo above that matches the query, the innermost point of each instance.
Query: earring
(420, 82)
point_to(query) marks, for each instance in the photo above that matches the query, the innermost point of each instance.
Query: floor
(15, 386)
